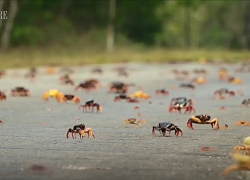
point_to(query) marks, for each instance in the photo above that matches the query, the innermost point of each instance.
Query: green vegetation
(46, 57)
(74, 32)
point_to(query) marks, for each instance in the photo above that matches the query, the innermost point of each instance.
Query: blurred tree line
(167, 23)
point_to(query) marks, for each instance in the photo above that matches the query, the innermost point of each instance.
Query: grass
(34, 57)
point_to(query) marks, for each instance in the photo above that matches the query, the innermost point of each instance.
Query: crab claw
(74, 135)
(77, 100)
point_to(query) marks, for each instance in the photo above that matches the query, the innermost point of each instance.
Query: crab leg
(215, 122)
(169, 133)
(177, 131)
(153, 131)
(192, 120)
(231, 168)
(189, 124)
(67, 135)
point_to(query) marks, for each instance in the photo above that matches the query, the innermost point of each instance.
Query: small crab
(223, 91)
(81, 130)
(180, 75)
(68, 97)
(187, 85)
(245, 67)
(244, 147)
(222, 74)
(85, 86)
(134, 121)
(121, 71)
(88, 85)
(139, 95)
(222, 108)
(51, 93)
(166, 126)
(177, 104)
(245, 102)
(199, 80)
(136, 107)
(121, 97)
(199, 71)
(50, 70)
(31, 74)
(162, 91)
(20, 91)
(65, 80)
(81, 126)
(234, 80)
(203, 119)
(97, 70)
(244, 123)
(119, 87)
(90, 105)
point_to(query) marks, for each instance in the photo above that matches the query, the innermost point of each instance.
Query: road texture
(34, 131)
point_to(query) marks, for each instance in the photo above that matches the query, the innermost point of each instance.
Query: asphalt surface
(34, 131)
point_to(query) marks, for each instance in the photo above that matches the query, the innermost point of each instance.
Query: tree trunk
(5, 40)
(187, 27)
(1, 9)
(111, 26)
(247, 24)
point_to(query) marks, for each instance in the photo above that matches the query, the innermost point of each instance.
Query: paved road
(34, 131)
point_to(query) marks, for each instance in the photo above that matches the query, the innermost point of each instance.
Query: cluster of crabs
(185, 75)
(223, 75)
(164, 127)
(60, 97)
(178, 104)
(15, 92)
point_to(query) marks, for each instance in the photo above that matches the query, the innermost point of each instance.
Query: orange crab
(242, 122)
(50, 70)
(68, 97)
(199, 80)
(139, 95)
(234, 80)
(222, 74)
(51, 93)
